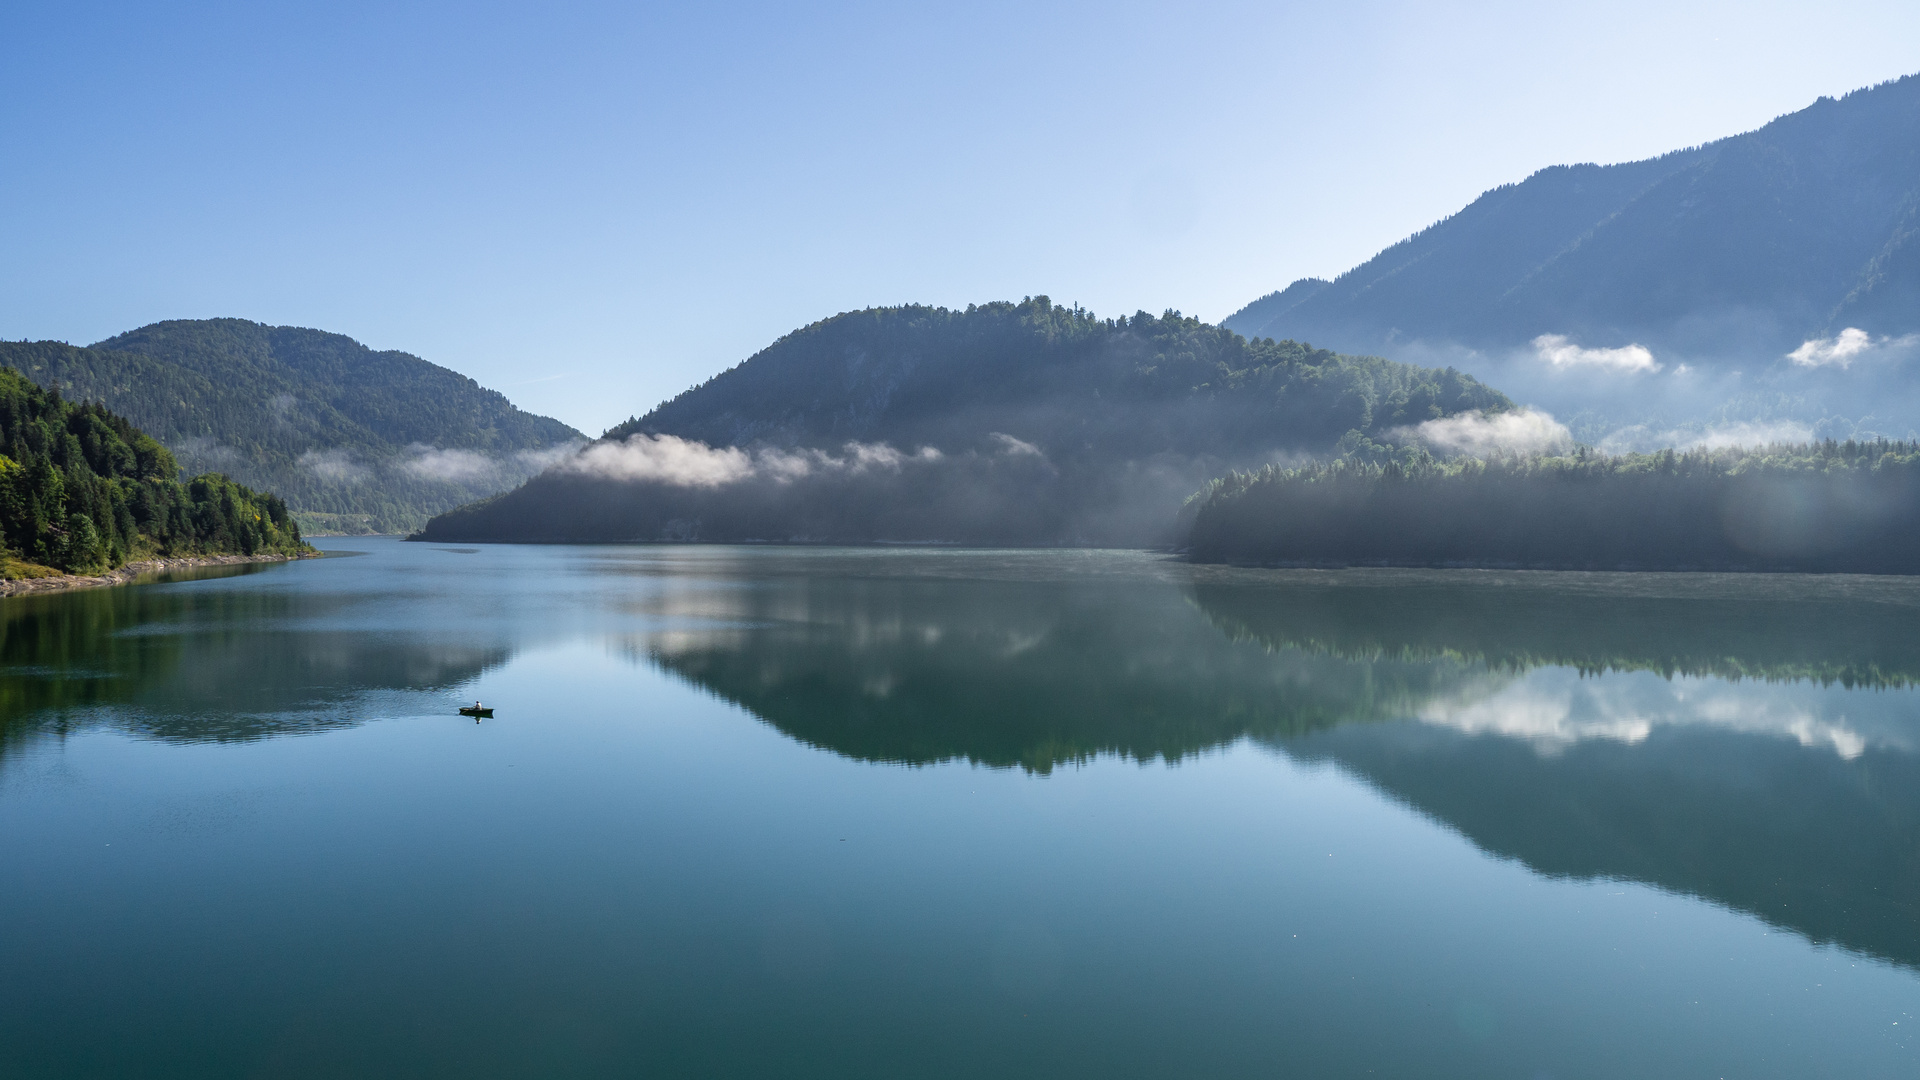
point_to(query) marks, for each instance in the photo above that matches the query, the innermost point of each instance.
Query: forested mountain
(1057, 377)
(1733, 253)
(1002, 423)
(354, 439)
(83, 491)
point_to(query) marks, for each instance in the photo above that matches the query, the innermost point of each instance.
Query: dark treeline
(1003, 423)
(83, 491)
(1824, 507)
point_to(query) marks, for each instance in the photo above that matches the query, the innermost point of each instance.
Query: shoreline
(133, 571)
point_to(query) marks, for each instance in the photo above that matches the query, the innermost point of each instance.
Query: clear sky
(592, 206)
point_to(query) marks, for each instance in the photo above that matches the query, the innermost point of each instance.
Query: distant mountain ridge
(1003, 423)
(355, 439)
(1744, 247)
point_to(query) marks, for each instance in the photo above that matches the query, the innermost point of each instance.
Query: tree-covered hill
(1736, 251)
(1056, 377)
(356, 439)
(84, 491)
(1002, 423)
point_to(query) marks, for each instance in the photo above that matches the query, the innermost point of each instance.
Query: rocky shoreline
(132, 571)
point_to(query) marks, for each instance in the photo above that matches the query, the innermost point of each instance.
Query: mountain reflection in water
(1008, 673)
(212, 664)
(1751, 741)
(1748, 740)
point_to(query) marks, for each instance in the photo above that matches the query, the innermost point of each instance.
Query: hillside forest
(355, 439)
(1822, 507)
(1004, 423)
(83, 491)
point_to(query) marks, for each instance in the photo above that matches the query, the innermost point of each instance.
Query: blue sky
(593, 206)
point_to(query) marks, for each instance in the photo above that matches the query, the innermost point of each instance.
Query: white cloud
(337, 465)
(1013, 447)
(785, 466)
(669, 459)
(1559, 351)
(665, 459)
(201, 454)
(1851, 344)
(1545, 716)
(1642, 439)
(541, 460)
(873, 456)
(1749, 434)
(1520, 431)
(478, 467)
(1555, 708)
(457, 466)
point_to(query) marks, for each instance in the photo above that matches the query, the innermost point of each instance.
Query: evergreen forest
(1004, 423)
(83, 491)
(1057, 377)
(1820, 507)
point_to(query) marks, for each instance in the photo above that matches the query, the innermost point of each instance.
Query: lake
(790, 812)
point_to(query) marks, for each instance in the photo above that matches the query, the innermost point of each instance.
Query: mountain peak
(1742, 247)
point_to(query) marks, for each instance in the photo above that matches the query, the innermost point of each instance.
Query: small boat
(478, 711)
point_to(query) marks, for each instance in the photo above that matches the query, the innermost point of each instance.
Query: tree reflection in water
(1751, 741)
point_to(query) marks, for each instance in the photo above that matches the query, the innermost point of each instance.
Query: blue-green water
(795, 813)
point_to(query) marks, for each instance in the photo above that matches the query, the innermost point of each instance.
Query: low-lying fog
(1625, 397)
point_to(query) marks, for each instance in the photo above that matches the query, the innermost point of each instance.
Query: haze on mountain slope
(1004, 423)
(1770, 279)
(356, 440)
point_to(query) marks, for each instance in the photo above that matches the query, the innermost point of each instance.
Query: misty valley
(1499, 659)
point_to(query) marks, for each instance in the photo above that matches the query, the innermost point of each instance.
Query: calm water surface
(798, 813)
